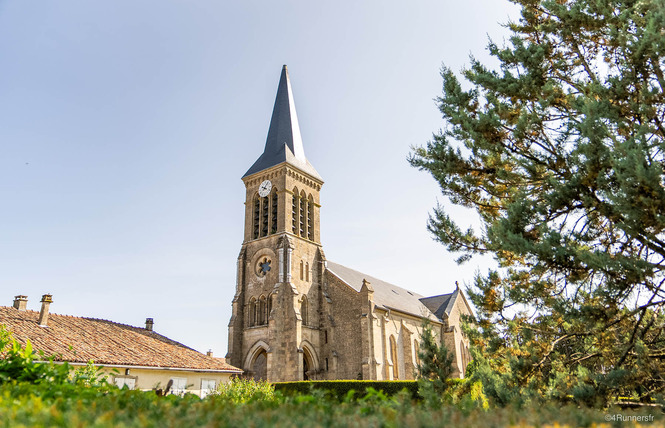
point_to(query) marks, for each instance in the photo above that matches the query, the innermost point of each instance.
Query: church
(299, 316)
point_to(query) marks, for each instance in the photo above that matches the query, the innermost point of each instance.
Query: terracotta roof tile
(79, 340)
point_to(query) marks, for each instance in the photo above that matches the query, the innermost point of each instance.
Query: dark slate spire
(284, 143)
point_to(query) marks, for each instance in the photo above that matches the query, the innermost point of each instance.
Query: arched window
(416, 348)
(262, 311)
(310, 218)
(257, 214)
(303, 217)
(294, 211)
(252, 312)
(265, 210)
(307, 271)
(270, 304)
(393, 356)
(302, 270)
(273, 217)
(303, 311)
(466, 358)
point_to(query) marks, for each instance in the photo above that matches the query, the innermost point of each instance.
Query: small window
(325, 336)
(326, 364)
(123, 381)
(252, 312)
(207, 386)
(263, 319)
(393, 356)
(302, 270)
(307, 271)
(179, 385)
(303, 310)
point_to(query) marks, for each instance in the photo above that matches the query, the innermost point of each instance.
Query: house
(137, 357)
(297, 315)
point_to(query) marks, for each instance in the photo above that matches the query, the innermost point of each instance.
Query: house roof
(386, 295)
(284, 142)
(80, 339)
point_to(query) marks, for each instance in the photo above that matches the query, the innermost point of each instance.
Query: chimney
(20, 302)
(209, 353)
(149, 322)
(47, 299)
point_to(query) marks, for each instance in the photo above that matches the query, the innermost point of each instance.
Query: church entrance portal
(306, 365)
(260, 366)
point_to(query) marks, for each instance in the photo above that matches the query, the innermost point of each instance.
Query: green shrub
(340, 388)
(41, 405)
(239, 391)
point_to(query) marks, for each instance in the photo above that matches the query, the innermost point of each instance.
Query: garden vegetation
(561, 152)
(48, 394)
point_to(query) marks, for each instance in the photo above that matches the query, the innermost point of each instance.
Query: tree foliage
(561, 152)
(435, 363)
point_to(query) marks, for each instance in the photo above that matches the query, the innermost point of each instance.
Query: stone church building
(297, 315)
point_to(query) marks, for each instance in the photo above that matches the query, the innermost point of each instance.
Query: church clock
(265, 188)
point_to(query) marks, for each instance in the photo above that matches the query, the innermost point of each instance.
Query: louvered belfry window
(294, 211)
(303, 207)
(310, 218)
(273, 218)
(264, 220)
(256, 218)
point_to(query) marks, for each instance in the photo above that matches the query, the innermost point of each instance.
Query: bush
(340, 388)
(239, 391)
(28, 405)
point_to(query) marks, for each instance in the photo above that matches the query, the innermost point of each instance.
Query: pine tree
(435, 363)
(561, 152)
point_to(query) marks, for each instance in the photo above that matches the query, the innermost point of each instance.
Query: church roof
(442, 304)
(79, 340)
(284, 143)
(386, 295)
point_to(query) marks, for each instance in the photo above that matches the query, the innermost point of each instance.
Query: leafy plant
(560, 152)
(240, 390)
(435, 360)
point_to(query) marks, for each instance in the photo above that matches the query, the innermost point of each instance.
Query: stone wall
(344, 337)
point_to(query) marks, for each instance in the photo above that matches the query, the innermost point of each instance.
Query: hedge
(340, 388)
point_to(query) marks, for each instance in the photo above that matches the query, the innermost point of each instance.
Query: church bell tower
(274, 330)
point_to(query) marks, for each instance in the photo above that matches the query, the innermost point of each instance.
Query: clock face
(265, 188)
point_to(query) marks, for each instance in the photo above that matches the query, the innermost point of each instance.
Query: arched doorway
(260, 366)
(308, 366)
(305, 368)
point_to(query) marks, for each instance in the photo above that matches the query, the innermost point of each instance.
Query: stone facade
(298, 316)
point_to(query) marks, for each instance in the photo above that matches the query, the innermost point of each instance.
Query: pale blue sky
(125, 127)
